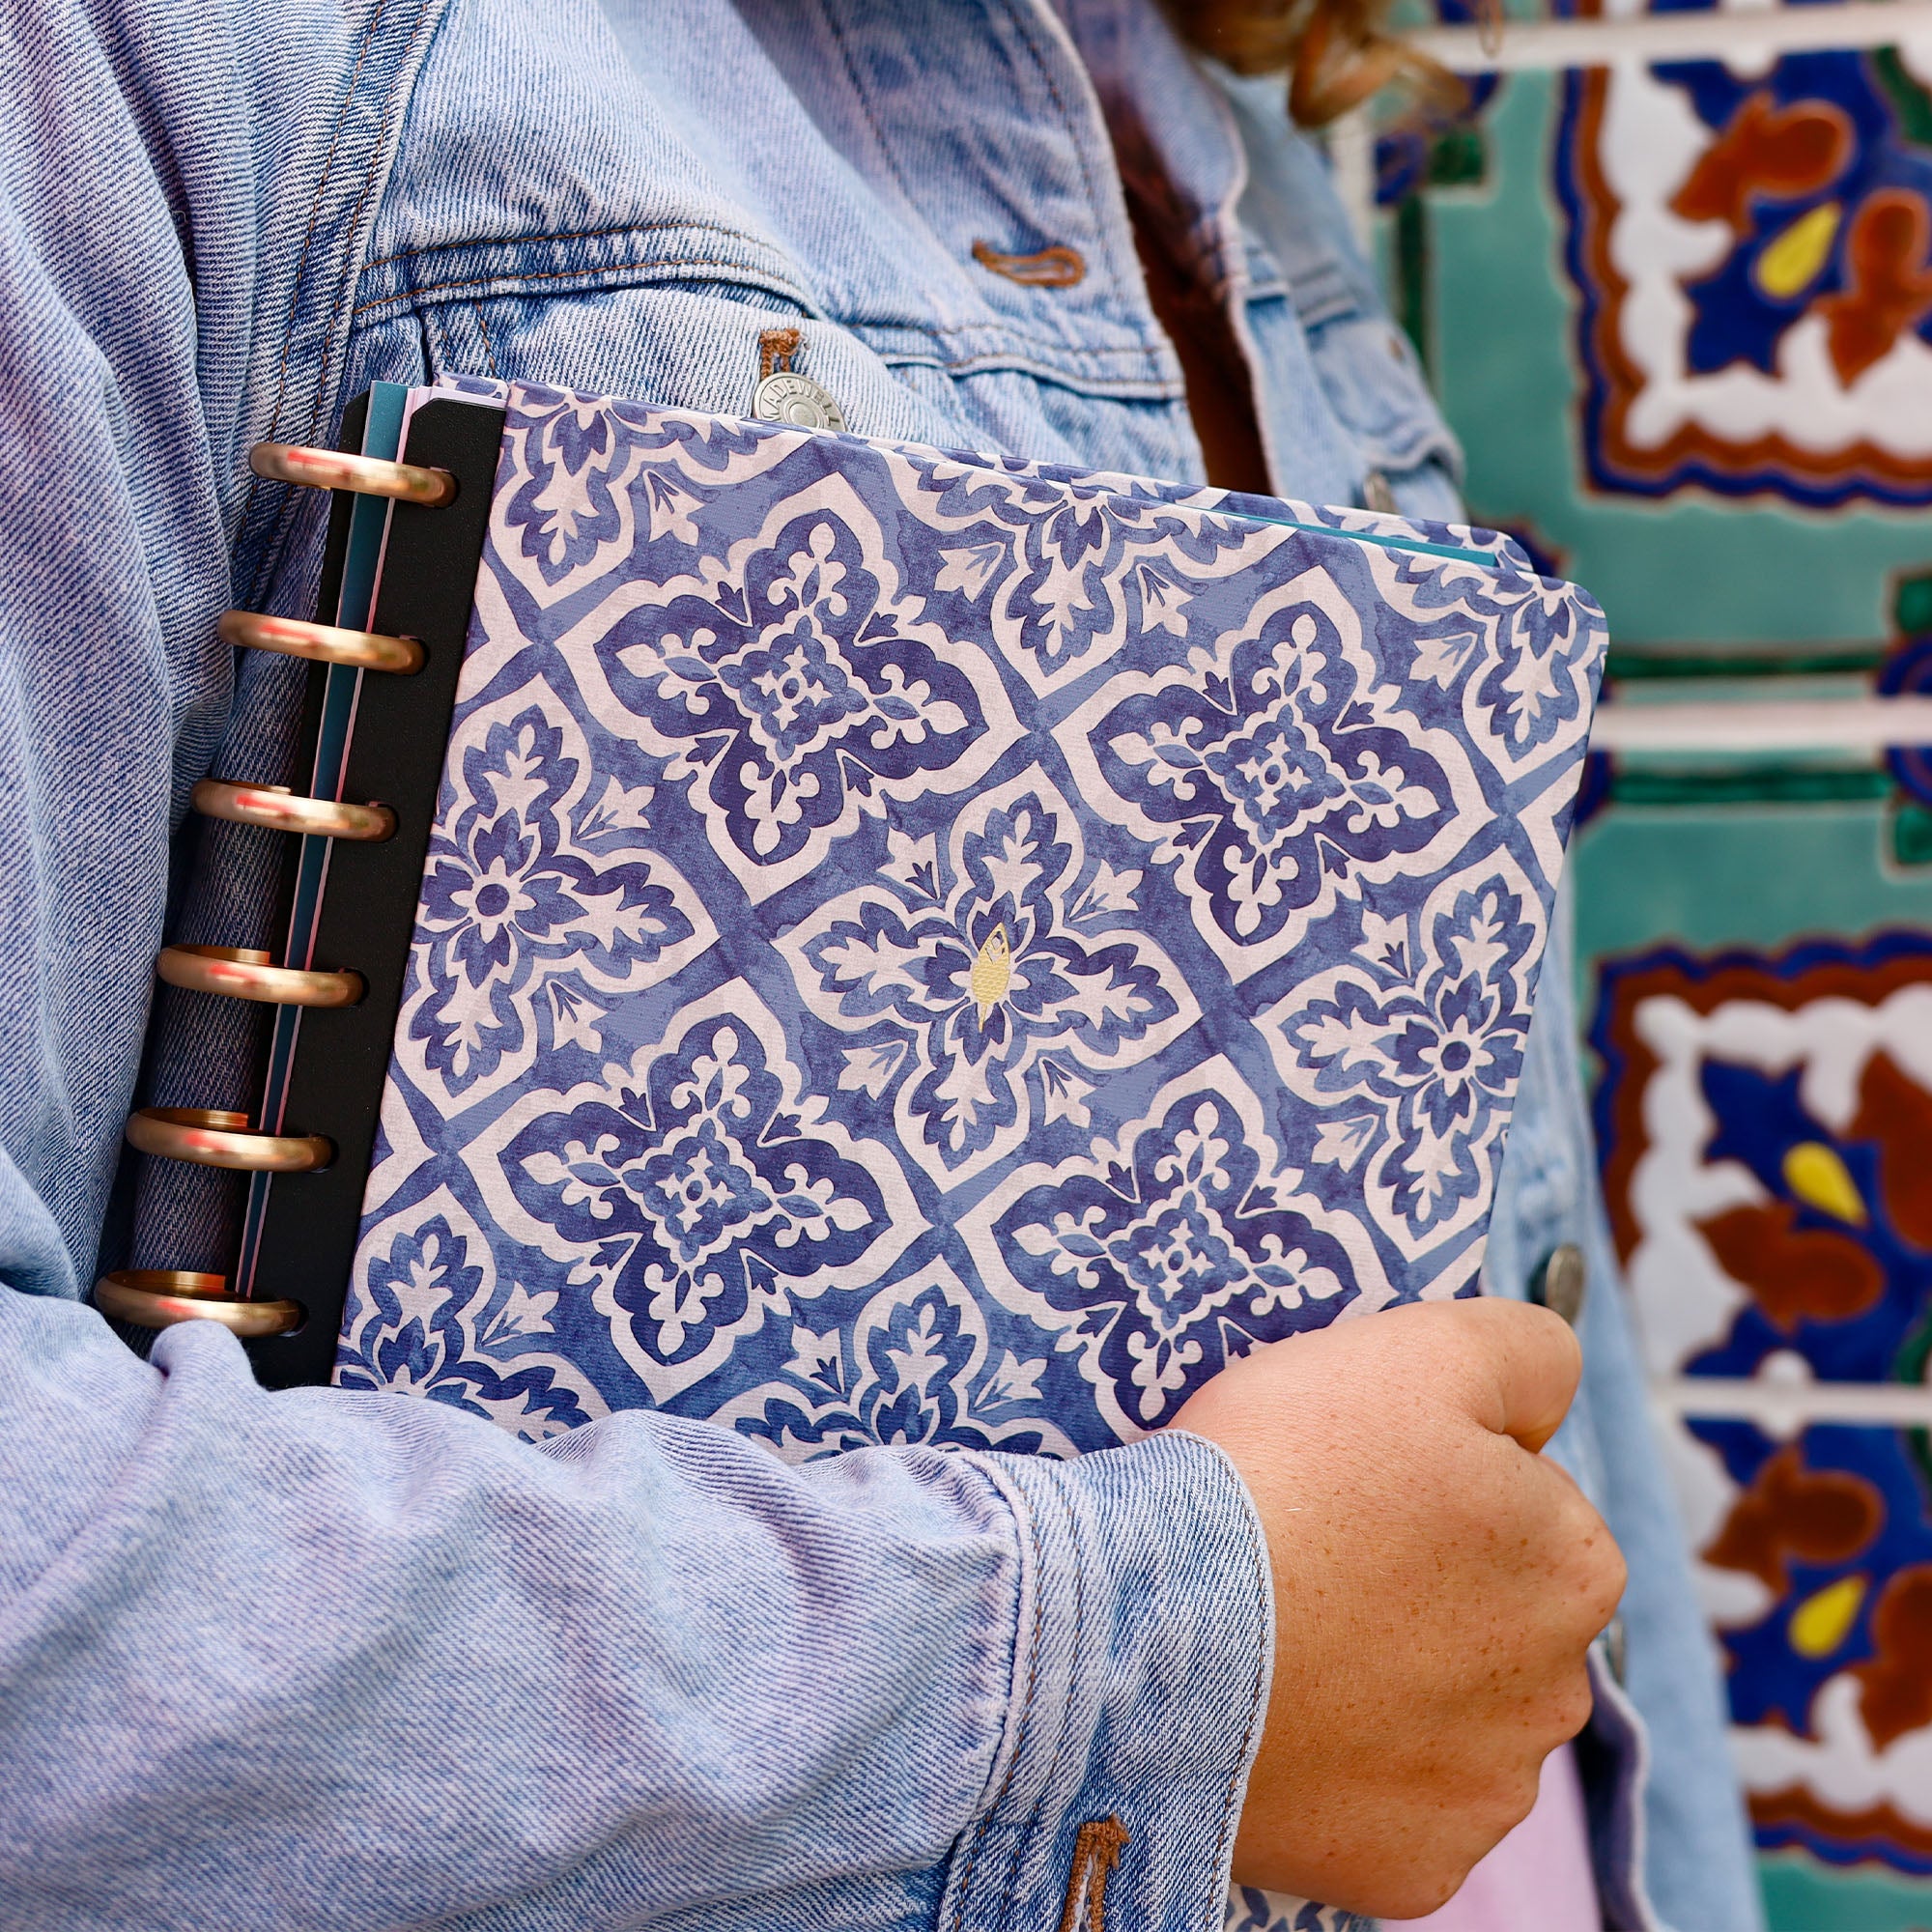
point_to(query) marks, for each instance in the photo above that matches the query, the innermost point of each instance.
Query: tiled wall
(1682, 320)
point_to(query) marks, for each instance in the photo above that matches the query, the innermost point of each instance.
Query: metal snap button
(1560, 1282)
(787, 397)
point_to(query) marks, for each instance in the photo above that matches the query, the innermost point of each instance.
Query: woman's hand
(1437, 1584)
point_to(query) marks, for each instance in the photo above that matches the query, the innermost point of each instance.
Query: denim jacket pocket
(699, 345)
(672, 312)
(1371, 379)
(1377, 389)
(678, 314)
(1303, 261)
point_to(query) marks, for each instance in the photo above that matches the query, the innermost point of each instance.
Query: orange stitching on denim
(315, 212)
(483, 329)
(1019, 1739)
(1012, 339)
(517, 277)
(1096, 1848)
(377, 148)
(1012, 342)
(776, 349)
(1072, 1681)
(1056, 268)
(1028, 24)
(569, 234)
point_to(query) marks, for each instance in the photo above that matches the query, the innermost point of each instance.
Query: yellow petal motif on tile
(1814, 1173)
(1790, 265)
(1823, 1621)
(992, 972)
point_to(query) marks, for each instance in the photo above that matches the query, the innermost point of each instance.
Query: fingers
(1526, 1365)
(1586, 1569)
(1512, 1367)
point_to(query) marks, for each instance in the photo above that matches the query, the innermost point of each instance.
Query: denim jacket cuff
(1144, 1644)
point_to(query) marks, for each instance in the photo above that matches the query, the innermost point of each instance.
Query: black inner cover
(369, 904)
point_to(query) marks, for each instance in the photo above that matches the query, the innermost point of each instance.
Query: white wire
(1788, 724)
(1781, 1408)
(1351, 162)
(1745, 35)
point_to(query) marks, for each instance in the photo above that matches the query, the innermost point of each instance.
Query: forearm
(320, 1659)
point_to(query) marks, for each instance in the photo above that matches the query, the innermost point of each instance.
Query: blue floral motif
(995, 978)
(1176, 1257)
(698, 1192)
(1519, 645)
(1534, 688)
(520, 895)
(424, 1317)
(1071, 565)
(1281, 783)
(979, 902)
(914, 1368)
(1252, 1911)
(566, 510)
(574, 461)
(792, 690)
(1413, 1050)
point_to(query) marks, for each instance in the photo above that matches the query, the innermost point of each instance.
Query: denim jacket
(326, 1660)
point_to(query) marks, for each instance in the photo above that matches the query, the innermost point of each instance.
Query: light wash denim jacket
(319, 1660)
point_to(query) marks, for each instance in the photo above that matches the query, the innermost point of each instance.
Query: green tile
(1738, 875)
(1912, 605)
(1911, 835)
(1412, 276)
(1692, 568)
(1782, 784)
(1460, 158)
(1803, 1895)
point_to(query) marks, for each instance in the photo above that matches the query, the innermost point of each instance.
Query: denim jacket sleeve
(318, 1660)
(312, 1660)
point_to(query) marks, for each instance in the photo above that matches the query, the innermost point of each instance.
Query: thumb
(1533, 1363)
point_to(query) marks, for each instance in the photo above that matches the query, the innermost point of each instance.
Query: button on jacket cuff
(1140, 1679)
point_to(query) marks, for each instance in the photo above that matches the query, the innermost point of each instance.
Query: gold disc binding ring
(326, 644)
(159, 1298)
(240, 973)
(283, 811)
(218, 1137)
(365, 475)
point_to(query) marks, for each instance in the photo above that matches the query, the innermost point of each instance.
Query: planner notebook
(877, 944)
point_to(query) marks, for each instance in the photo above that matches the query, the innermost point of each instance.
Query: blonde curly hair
(1336, 52)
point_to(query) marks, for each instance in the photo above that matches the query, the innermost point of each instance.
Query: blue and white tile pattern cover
(920, 950)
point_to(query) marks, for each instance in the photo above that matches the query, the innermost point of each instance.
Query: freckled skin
(1438, 1584)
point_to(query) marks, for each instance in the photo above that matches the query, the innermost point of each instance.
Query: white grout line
(1789, 725)
(1352, 164)
(1747, 36)
(1783, 1407)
